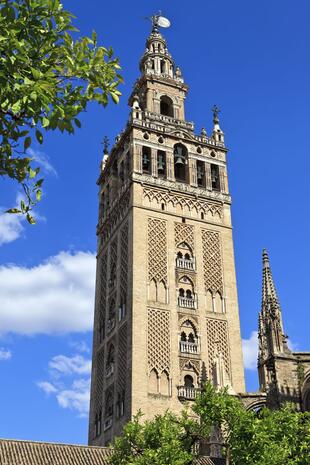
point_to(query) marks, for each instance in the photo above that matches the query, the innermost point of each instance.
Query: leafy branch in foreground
(46, 79)
(268, 437)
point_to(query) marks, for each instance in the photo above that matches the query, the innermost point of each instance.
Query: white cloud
(70, 365)
(72, 391)
(11, 227)
(56, 296)
(43, 160)
(80, 346)
(47, 387)
(250, 351)
(5, 354)
(77, 397)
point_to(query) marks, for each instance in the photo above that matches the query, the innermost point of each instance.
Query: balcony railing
(188, 393)
(186, 302)
(188, 347)
(185, 264)
(110, 370)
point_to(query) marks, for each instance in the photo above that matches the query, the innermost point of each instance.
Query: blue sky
(251, 59)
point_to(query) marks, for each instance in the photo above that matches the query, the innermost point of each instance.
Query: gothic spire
(272, 339)
(269, 295)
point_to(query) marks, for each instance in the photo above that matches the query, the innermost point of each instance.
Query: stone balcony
(186, 264)
(187, 392)
(186, 302)
(189, 126)
(189, 347)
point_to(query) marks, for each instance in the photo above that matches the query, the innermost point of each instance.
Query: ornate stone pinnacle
(105, 144)
(215, 109)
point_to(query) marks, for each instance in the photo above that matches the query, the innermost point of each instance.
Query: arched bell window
(215, 178)
(201, 178)
(146, 160)
(161, 163)
(166, 106)
(180, 162)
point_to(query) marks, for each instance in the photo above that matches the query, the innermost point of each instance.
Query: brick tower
(166, 311)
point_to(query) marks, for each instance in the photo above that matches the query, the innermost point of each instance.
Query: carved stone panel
(212, 261)
(217, 341)
(158, 340)
(157, 250)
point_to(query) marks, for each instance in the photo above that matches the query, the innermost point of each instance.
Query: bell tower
(166, 310)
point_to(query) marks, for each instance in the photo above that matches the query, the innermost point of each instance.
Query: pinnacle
(269, 290)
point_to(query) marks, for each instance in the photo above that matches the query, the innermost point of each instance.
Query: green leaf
(27, 143)
(39, 136)
(114, 97)
(30, 219)
(77, 122)
(13, 210)
(38, 195)
(32, 173)
(45, 122)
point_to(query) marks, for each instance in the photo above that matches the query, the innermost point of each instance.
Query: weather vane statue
(216, 111)
(159, 21)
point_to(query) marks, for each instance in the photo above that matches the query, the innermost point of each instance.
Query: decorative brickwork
(212, 261)
(198, 205)
(122, 356)
(217, 337)
(100, 375)
(157, 250)
(158, 340)
(184, 233)
(186, 363)
(102, 301)
(124, 262)
(113, 264)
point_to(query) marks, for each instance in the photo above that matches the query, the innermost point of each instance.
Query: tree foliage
(268, 437)
(46, 79)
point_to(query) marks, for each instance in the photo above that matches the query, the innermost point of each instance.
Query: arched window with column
(180, 162)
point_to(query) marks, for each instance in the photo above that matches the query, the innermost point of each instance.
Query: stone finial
(105, 144)
(216, 110)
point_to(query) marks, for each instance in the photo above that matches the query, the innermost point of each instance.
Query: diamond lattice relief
(217, 337)
(157, 250)
(158, 340)
(124, 259)
(184, 233)
(212, 261)
(113, 263)
(99, 379)
(122, 356)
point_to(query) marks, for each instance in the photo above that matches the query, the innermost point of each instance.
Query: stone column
(170, 166)
(137, 158)
(154, 162)
(208, 176)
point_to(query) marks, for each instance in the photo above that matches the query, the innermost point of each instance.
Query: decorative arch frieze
(181, 203)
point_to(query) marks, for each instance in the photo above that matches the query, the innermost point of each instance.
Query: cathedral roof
(17, 452)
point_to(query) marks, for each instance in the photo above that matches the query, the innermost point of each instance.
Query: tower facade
(166, 310)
